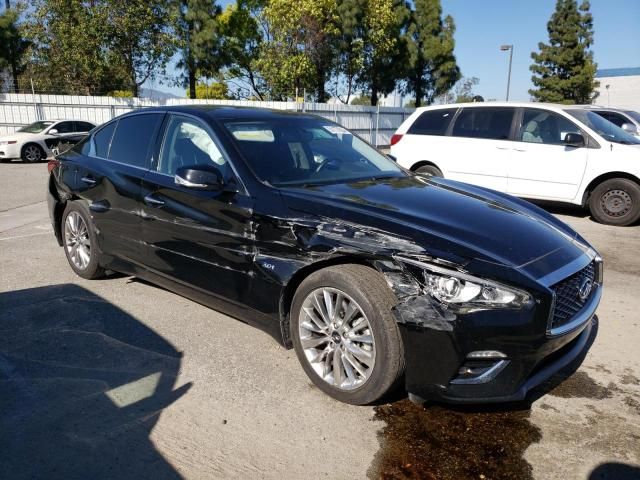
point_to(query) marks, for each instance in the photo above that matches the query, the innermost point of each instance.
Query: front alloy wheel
(345, 335)
(32, 153)
(337, 338)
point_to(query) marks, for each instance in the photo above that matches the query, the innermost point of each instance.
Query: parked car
(34, 142)
(292, 224)
(538, 151)
(628, 120)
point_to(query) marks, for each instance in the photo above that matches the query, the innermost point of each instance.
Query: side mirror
(574, 140)
(200, 177)
(630, 128)
(53, 131)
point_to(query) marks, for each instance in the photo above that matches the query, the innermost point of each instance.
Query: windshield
(608, 130)
(634, 115)
(307, 151)
(36, 127)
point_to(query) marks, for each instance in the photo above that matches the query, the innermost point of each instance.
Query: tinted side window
(186, 144)
(433, 122)
(83, 126)
(64, 127)
(99, 146)
(484, 122)
(132, 139)
(540, 126)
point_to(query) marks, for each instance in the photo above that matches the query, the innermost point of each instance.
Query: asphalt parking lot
(118, 378)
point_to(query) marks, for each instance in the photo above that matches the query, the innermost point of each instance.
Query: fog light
(484, 354)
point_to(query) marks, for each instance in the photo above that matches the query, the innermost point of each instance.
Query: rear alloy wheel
(345, 335)
(616, 202)
(32, 153)
(79, 240)
(430, 170)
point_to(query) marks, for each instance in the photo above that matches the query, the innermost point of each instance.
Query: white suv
(539, 151)
(34, 142)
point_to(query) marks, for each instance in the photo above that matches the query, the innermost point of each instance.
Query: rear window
(101, 140)
(132, 139)
(483, 122)
(432, 122)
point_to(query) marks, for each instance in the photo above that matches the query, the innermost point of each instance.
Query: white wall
(375, 125)
(624, 92)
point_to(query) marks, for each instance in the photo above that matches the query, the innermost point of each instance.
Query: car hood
(451, 219)
(18, 136)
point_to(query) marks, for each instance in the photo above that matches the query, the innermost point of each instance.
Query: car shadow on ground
(82, 384)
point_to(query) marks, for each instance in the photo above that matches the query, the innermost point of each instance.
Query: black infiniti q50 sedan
(375, 275)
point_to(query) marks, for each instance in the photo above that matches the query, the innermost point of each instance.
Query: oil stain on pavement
(435, 442)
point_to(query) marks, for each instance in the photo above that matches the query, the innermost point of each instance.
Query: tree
(564, 70)
(212, 91)
(69, 49)
(12, 45)
(241, 34)
(349, 46)
(199, 41)
(432, 64)
(383, 47)
(297, 53)
(140, 34)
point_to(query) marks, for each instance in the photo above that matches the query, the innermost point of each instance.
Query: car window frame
(162, 136)
(150, 148)
(55, 127)
(512, 127)
(447, 131)
(589, 141)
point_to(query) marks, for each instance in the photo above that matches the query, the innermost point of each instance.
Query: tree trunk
(374, 95)
(417, 88)
(192, 82)
(320, 91)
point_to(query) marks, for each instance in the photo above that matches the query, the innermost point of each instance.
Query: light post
(504, 48)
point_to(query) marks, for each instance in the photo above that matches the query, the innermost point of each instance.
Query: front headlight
(462, 291)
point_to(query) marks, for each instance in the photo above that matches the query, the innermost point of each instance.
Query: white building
(619, 87)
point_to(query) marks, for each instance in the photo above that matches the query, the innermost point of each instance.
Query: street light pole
(504, 48)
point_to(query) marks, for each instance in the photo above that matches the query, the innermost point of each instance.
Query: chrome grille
(567, 299)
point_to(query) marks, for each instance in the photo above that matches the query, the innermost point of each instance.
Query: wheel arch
(289, 290)
(601, 178)
(424, 163)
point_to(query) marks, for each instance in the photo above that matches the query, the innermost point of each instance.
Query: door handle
(502, 148)
(153, 201)
(88, 180)
(520, 149)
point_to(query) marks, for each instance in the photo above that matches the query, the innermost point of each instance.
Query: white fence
(372, 123)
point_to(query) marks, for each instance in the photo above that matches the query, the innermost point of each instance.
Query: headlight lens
(466, 292)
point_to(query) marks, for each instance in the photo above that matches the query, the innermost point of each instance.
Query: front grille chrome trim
(582, 317)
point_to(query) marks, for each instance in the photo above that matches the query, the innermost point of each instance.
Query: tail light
(51, 164)
(395, 138)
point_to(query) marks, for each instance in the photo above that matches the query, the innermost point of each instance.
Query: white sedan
(33, 143)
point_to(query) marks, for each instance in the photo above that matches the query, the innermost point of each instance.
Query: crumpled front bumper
(435, 351)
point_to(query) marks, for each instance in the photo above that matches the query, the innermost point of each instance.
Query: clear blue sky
(482, 26)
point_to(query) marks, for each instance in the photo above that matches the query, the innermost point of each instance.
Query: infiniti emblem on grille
(585, 289)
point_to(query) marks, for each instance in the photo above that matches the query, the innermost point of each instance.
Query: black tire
(93, 269)
(37, 156)
(370, 291)
(616, 202)
(430, 170)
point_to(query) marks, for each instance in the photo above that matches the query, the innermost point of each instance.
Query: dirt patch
(583, 386)
(633, 403)
(435, 442)
(628, 378)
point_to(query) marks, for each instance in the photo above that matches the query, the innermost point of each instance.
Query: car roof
(549, 106)
(225, 112)
(605, 109)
